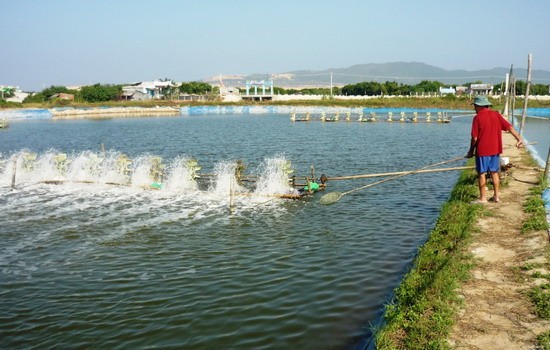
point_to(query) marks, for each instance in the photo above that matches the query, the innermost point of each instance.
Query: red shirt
(487, 128)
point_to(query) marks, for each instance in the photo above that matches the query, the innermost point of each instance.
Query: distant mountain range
(402, 72)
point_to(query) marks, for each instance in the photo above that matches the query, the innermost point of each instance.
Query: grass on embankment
(422, 312)
(539, 295)
(536, 213)
(445, 102)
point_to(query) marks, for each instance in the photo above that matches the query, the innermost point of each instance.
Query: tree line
(91, 93)
(427, 86)
(104, 93)
(372, 88)
(107, 92)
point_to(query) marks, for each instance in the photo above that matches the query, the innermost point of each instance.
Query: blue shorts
(488, 163)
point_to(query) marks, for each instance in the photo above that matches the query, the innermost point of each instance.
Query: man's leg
(482, 187)
(495, 176)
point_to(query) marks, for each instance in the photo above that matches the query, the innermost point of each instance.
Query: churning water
(99, 250)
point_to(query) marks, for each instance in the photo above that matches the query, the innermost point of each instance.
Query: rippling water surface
(103, 266)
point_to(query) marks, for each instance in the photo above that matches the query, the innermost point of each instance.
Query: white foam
(88, 174)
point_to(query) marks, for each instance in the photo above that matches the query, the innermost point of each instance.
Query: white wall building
(147, 90)
(18, 96)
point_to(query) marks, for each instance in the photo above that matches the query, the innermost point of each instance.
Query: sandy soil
(497, 313)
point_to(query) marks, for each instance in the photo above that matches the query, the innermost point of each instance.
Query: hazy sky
(74, 42)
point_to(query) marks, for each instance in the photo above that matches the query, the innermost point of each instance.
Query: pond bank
(470, 285)
(112, 111)
(497, 312)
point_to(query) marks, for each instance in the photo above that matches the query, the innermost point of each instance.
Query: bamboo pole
(526, 97)
(364, 176)
(247, 178)
(513, 102)
(60, 182)
(279, 195)
(243, 178)
(333, 197)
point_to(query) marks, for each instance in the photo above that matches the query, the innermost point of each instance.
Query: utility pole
(330, 84)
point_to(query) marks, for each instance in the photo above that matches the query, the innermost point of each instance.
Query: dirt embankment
(497, 312)
(71, 113)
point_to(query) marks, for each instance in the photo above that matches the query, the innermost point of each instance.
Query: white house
(481, 89)
(147, 90)
(230, 94)
(18, 95)
(446, 91)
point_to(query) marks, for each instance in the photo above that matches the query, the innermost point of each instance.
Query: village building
(148, 90)
(62, 96)
(16, 95)
(473, 89)
(447, 90)
(461, 90)
(481, 89)
(230, 94)
(255, 95)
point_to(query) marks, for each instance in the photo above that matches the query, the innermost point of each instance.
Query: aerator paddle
(333, 197)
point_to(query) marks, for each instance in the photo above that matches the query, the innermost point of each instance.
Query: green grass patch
(544, 340)
(534, 207)
(540, 295)
(541, 300)
(529, 266)
(529, 161)
(536, 220)
(422, 312)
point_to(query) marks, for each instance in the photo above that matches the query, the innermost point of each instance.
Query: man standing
(486, 145)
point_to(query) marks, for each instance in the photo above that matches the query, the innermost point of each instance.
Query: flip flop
(492, 199)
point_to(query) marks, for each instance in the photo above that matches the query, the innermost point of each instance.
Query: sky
(81, 42)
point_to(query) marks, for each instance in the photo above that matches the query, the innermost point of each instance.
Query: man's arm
(473, 143)
(514, 133)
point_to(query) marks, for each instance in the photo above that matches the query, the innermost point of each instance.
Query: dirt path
(497, 313)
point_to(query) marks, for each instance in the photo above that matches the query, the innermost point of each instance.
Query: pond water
(537, 132)
(96, 260)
